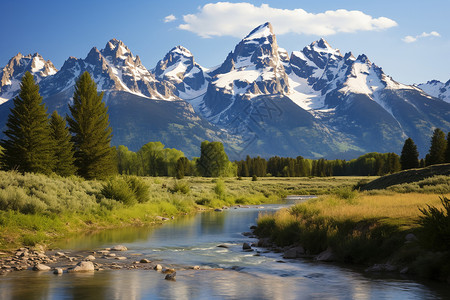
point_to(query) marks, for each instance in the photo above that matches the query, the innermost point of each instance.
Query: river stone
(168, 271)
(144, 261)
(111, 255)
(294, 252)
(246, 246)
(41, 267)
(326, 255)
(218, 209)
(158, 267)
(119, 248)
(58, 271)
(121, 258)
(222, 246)
(410, 237)
(195, 268)
(171, 276)
(83, 266)
(90, 257)
(61, 254)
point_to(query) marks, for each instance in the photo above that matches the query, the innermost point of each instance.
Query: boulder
(119, 248)
(294, 252)
(222, 246)
(218, 209)
(246, 246)
(168, 271)
(326, 255)
(90, 257)
(171, 276)
(144, 261)
(41, 267)
(121, 258)
(195, 268)
(157, 267)
(83, 266)
(58, 271)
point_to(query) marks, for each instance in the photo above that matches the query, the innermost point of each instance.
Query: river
(193, 240)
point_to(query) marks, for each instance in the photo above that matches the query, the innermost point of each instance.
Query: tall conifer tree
(409, 158)
(63, 149)
(89, 123)
(437, 149)
(447, 152)
(28, 147)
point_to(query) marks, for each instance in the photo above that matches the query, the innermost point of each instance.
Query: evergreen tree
(447, 152)
(29, 144)
(213, 161)
(409, 158)
(437, 149)
(63, 149)
(94, 156)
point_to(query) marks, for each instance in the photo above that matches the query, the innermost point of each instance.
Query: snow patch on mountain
(437, 89)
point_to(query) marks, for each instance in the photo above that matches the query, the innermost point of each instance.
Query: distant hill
(407, 176)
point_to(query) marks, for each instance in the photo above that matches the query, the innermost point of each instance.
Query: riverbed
(226, 272)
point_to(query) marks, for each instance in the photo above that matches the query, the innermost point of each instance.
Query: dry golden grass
(398, 209)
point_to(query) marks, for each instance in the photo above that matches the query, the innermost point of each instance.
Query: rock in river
(41, 267)
(119, 248)
(83, 266)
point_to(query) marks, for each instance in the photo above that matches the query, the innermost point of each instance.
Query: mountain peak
(117, 49)
(261, 32)
(322, 46)
(181, 51)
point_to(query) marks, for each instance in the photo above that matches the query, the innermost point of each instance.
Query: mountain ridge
(316, 102)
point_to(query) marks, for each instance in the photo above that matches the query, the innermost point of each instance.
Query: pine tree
(213, 161)
(63, 149)
(409, 158)
(437, 149)
(447, 152)
(89, 123)
(29, 144)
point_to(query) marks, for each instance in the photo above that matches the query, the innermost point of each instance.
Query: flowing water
(193, 240)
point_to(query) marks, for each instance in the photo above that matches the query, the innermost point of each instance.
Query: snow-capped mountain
(113, 68)
(254, 68)
(437, 89)
(261, 100)
(180, 69)
(12, 73)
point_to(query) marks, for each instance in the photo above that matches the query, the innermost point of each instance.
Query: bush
(435, 226)
(346, 193)
(139, 188)
(118, 189)
(180, 187)
(254, 178)
(220, 190)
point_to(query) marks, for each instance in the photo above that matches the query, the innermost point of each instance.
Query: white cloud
(169, 18)
(237, 19)
(412, 39)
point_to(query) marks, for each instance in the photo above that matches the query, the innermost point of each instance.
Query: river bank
(39, 210)
(377, 231)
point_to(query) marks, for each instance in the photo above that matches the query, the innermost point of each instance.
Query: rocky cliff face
(12, 73)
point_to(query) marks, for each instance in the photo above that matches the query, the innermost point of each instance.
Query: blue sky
(410, 40)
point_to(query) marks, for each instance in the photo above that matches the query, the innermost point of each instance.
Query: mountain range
(261, 100)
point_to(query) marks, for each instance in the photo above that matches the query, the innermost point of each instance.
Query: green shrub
(346, 193)
(435, 226)
(254, 178)
(203, 201)
(180, 187)
(139, 187)
(220, 190)
(118, 189)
